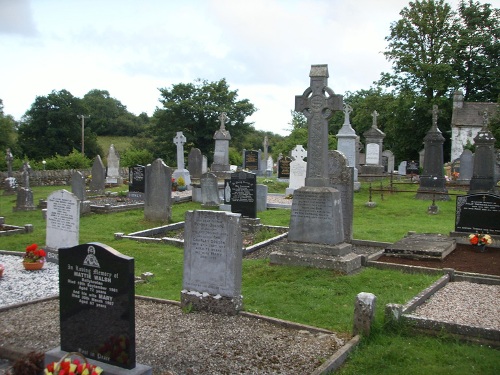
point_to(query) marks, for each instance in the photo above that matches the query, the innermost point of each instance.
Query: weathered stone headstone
(24, 199)
(212, 262)
(388, 161)
(209, 190)
(158, 192)
(79, 189)
(298, 169)
(181, 171)
(466, 167)
(97, 307)
(137, 182)
(483, 176)
(265, 145)
(342, 179)
(374, 146)
(432, 181)
(97, 182)
(8, 159)
(402, 168)
(63, 222)
(261, 197)
(195, 161)
(113, 170)
(347, 143)
(284, 167)
(478, 213)
(222, 137)
(243, 193)
(10, 183)
(364, 313)
(269, 166)
(251, 160)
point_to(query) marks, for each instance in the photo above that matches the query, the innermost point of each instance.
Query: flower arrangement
(174, 184)
(34, 254)
(480, 239)
(72, 367)
(180, 181)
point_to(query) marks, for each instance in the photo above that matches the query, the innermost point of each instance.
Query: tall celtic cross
(223, 118)
(179, 141)
(317, 103)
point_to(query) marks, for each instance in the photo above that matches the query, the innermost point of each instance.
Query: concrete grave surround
(422, 246)
(158, 192)
(63, 222)
(113, 171)
(212, 261)
(97, 183)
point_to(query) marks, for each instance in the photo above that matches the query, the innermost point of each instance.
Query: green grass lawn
(315, 297)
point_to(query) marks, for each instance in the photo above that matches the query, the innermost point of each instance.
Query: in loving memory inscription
(61, 216)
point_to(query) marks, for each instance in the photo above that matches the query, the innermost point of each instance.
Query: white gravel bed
(471, 304)
(18, 285)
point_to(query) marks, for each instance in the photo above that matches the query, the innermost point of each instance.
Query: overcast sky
(263, 48)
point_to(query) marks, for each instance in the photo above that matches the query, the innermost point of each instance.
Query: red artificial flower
(474, 240)
(42, 253)
(31, 247)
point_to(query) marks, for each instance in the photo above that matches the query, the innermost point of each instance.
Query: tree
(7, 130)
(51, 127)
(109, 116)
(477, 51)
(421, 49)
(194, 108)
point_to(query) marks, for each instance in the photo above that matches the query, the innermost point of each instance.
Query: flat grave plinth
(422, 246)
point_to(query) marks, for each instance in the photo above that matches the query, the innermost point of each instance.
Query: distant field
(121, 143)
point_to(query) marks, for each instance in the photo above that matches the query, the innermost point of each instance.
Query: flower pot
(182, 188)
(33, 266)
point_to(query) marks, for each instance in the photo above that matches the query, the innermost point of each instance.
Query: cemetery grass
(319, 298)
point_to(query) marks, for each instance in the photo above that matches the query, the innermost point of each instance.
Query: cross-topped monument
(375, 114)
(9, 158)
(179, 141)
(318, 108)
(223, 118)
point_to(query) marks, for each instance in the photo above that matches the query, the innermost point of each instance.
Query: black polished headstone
(251, 160)
(412, 167)
(284, 167)
(137, 181)
(97, 303)
(243, 194)
(478, 213)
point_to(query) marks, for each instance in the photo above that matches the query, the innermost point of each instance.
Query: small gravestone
(412, 167)
(466, 167)
(212, 262)
(284, 167)
(78, 188)
(97, 182)
(221, 166)
(137, 181)
(243, 193)
(63, 222)
(195, 162)
(298, 169)
(251, 160)
(24, 199)
(97, 307)
(341, 178)
(478, 213)
(158, 192)
(269, 166)
(364, 313)
(388, 161)
(402, 168)
(261, 197)
(113, 170)
(209, 190)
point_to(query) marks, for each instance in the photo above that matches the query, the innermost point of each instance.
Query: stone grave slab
(422, 246)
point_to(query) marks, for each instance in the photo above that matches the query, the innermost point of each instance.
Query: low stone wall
(54, 177)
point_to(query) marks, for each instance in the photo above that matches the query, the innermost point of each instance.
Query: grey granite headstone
(261, 197)
(195, 161)
(432, 179)
(79, 189)
(342, 179)
(113, 171)
(97, 182)
(374, 146)
(212, 262)
(388, 160)
(209, 190)
(63, 222)
(402, 168)
(466, 166)
(158, 192)
(221, 152)
(347, 143)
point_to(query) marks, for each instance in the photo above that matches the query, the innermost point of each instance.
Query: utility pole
(83, 117)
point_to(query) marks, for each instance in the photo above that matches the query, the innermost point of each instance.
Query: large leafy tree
(109, 116)
(477, 51)
(421, 49)
(193, 108)
(51, 127)
(7, 130)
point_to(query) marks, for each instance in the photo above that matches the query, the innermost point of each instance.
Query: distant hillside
(121, 143)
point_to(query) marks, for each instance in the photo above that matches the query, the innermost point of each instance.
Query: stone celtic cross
(318, 107)
(374, 115)
(179, 141)
(223, 118)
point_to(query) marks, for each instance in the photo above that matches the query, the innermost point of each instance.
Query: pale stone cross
(179, 141)
(26, 174)
(223, 118)
(8, 158)
(374, 115)
(299, 153)
(347, 112)
(318, 108)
